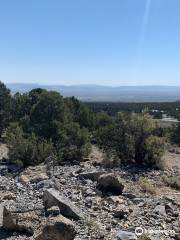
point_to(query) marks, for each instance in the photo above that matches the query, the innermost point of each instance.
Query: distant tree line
(42, 124)
(169, 108)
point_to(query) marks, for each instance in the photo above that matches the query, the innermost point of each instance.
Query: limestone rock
(93, 175)
(111, 183)
(160, 210)
(115, 200)
(57, 228)
(15, 220)
(53, 197)
(39, 178)
(33, 175)
(23, 179)
(7, 196)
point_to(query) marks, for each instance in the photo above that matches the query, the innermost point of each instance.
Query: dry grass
(144, 237)
(146, 186)
(172, 182)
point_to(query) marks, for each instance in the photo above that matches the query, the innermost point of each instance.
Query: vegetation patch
(146, 186)
(40, 124)
(144, 237)
(172, 182)
(132, 138)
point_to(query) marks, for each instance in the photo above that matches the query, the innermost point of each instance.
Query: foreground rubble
(75, 202)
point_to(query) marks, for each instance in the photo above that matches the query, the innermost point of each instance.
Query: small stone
(160, 210)
(123, 235)
(23, 179)
(53, 211)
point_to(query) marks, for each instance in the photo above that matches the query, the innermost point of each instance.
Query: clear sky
(107, 42)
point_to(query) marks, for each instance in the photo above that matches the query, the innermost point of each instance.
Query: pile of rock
(82, 202)
(45, 223)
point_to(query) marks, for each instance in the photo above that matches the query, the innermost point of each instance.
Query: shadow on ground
(4, 234)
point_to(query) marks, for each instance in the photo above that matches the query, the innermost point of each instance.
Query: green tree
(47, 121)
(73, 142)
(5, 107)
(45, 114)
(103, 119)
(80, 113)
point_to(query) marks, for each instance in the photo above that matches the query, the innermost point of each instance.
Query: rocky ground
(78, 199)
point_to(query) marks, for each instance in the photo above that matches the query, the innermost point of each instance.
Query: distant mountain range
(108, 94)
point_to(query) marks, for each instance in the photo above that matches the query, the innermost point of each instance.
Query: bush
(172, 182)
(134, 138)
(80, 113)
(25, 149)
(73, 143)
(111, 159)
(155, 148)
(146, 186)
(29, 149)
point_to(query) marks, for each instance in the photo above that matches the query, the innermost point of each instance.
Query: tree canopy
(40, 123)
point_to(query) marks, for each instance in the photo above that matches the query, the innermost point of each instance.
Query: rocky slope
(86, 201)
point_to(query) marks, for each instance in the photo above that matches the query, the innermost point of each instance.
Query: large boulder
(110, 183)
(124, 235)
(16, 220)
(93, 175)
(53, 197)
(56, 228)
(33, 175)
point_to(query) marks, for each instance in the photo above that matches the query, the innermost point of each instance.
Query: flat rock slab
(93, 175)
(53, 197)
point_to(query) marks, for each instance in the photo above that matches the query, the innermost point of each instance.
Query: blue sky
(107, 42)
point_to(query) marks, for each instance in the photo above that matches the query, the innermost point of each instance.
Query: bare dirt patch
(172, 160)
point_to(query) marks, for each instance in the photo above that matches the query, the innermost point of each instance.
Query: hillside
(70, 173)
(101, 214)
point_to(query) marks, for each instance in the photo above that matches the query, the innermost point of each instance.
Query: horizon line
(91, 84)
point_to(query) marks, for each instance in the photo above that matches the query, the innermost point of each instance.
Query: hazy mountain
(106, 93)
